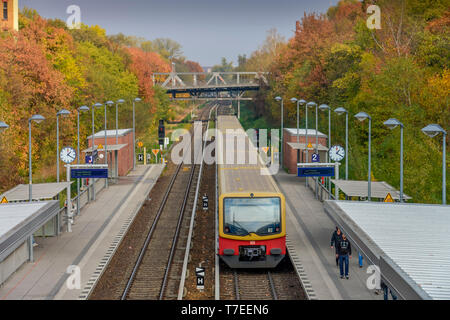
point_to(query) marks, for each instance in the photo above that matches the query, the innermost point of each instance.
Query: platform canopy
(40, 191)
(109, 148)
(379, 189)
(302, 132)
(302, 146)
(18, 221)
(409, 242)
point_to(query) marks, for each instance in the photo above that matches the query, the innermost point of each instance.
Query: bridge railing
(208, 79)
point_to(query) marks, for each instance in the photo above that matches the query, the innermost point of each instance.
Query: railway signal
(161, 132)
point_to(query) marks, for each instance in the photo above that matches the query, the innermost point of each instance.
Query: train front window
(243, 216)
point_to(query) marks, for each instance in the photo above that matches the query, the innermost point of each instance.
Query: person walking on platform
(344, 252)
(335, 238)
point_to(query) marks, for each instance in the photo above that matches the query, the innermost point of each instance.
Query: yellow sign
(4, 200)
(155, 151)
(140, 144)
(100, 146)
(265, 149)
(310, 146)
(389, 198)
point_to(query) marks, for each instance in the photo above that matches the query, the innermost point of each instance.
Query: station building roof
(379, 189)
(111, 133)
(41, 191)
(18, 221)
(409, 242)
(302, 132)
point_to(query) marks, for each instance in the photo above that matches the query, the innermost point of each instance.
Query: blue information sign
(89, 173)
(316, 172)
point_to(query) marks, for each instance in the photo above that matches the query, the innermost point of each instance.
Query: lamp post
(108, 103)
(341, 111)
(134, 133)
(38, 119)
(325, 107)
(282, 128)
(97, 105)
(361, 117)
(299, 102)
(80, 109)
(62, 113)
(120, 101)
(312, 105)
(392, 124)
(433, 130)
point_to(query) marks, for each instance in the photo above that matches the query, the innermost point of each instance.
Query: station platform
(309, 231)
(93, 234)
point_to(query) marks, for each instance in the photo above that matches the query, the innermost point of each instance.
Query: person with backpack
(335, 238)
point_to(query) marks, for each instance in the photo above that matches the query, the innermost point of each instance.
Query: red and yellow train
(252, 214)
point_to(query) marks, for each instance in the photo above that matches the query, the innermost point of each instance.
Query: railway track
(156, 273)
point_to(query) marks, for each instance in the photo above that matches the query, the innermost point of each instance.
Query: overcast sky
(207, 29)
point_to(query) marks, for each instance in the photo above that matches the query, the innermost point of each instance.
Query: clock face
(68, 155)
(337, 153)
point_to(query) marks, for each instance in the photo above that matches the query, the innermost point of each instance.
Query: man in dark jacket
(335, 238)
(344, 252)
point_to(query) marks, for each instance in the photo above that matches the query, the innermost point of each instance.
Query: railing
(320, 190)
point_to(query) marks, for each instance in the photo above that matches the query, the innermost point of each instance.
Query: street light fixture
(3, 126)
(38, 119)
(98, 106)
(341, 111)
(314, 105)
(279, 99)
(361, 116)
(61, 113)
(134, 133)
(392, 124)
(432, 131)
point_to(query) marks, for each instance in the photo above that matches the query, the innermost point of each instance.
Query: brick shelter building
(293, 151)
(124, 150)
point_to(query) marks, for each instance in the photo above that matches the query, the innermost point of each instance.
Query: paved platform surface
(92, 234)
(309, 230)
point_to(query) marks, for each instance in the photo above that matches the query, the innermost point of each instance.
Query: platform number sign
(315, 157)
(200, 273)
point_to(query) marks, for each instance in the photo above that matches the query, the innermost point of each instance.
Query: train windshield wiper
(240, 227)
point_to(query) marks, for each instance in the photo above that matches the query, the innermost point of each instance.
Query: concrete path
(92, 235)
(309, 230)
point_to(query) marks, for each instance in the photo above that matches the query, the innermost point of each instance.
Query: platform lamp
(3, 126)
(392, 124)
(134, 132)
(432, 131)
(108, 103)
(80, 109)
(38, 119)
(361, 116)
(98, 105)
(120, 101)
(61, 113)
(341, 111)
(299, 102)
(282, 128)
(324, 107)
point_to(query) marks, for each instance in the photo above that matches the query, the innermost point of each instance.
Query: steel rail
(150, 234)
(177, 232)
